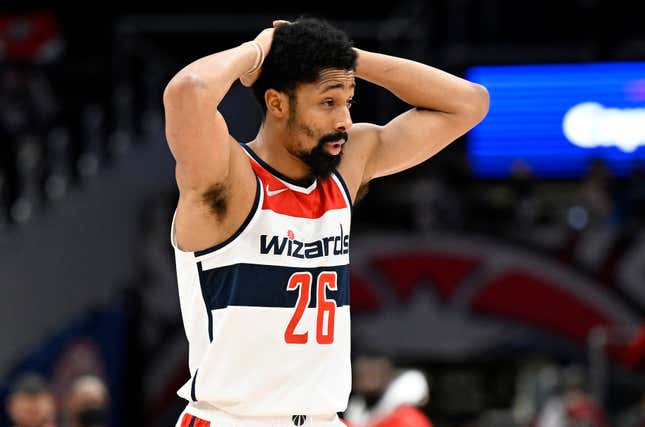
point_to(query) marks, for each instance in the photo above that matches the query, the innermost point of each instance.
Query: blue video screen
(558, 118)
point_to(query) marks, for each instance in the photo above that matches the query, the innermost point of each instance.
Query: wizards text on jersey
(329, 245)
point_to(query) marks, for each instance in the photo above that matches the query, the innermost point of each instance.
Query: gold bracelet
(259, 56)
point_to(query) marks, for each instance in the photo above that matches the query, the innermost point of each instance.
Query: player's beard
(321, 163)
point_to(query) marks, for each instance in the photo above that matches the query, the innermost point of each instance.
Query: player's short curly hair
(299, 51)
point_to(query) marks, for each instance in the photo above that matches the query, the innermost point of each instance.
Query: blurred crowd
(36, 144)
(63, 115)
(585, 222)
(384, 394)
(32, 402)
(45, 146)
(445, 194)
(546, 394)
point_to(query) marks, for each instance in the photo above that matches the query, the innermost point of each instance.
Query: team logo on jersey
(290, 246)
(298, 420)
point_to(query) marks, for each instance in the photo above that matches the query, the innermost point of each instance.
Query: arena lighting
(557, 118)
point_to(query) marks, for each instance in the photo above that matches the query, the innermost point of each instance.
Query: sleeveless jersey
(266, 312)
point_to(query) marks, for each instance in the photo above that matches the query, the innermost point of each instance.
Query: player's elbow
(478, 102)
(182, 85)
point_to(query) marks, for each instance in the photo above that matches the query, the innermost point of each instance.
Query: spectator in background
(595, 194)
(384, 397)
(31, 403)
(86, 402)
(574, 407)
(523, 187)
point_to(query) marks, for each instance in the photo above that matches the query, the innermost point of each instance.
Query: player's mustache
(334, 137)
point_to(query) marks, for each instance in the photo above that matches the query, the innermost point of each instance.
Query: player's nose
(344, 120)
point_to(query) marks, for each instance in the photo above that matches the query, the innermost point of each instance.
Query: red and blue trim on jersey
(256, 285)
(324, 197)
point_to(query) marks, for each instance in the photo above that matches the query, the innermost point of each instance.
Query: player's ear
(277, 103)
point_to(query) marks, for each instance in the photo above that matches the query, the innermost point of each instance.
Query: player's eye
(350, 102)
(328, 102)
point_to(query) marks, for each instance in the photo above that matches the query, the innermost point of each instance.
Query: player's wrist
(359, 70)
(259, 56)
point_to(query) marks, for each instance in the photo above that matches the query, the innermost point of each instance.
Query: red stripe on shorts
(202, 423)
(186, 420)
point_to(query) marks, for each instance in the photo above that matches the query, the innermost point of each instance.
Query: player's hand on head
(265, 38)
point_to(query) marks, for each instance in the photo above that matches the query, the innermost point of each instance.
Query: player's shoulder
(362, 137)
(364, 131)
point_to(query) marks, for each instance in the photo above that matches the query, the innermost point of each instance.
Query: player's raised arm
(196, 131)
(446, 108)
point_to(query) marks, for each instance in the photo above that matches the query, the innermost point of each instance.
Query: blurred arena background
(508, 269)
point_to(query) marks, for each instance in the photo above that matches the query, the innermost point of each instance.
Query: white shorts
(199, 415)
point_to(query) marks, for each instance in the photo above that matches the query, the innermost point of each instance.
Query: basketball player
(261, 230)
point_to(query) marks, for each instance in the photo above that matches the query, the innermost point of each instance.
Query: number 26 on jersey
(326, 308)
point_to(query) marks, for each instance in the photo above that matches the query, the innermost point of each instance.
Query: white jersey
(266, 312)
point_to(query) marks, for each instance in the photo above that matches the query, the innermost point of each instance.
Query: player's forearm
(421, 85)
(214, 74)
